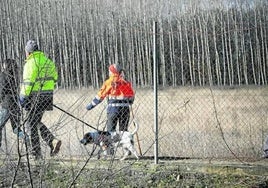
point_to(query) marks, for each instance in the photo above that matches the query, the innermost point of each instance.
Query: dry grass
(189, 123)
(189, 126)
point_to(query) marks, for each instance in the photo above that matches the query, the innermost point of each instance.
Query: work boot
(55, 147)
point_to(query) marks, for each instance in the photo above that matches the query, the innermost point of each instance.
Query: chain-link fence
(226, 120)
(212, 123)
(212, 74)
(193, 122)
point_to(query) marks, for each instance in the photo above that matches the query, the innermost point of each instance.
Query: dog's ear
(87, 139)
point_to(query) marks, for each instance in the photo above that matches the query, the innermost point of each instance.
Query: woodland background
(212, 58)
(208, 42)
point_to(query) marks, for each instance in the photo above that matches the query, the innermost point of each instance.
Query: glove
(22, 101)
(89, 106)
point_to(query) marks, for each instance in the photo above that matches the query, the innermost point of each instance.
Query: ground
(142, 173)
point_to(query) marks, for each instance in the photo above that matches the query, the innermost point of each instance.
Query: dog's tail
(136, 127)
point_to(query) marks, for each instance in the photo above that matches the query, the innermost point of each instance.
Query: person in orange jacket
(120, 96)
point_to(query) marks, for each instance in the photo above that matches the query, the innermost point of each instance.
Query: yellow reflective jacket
(39, 74)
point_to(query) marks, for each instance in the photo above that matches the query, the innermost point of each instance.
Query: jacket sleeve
(55, 74)
(105, 89)
(103, 92)
(29, 76)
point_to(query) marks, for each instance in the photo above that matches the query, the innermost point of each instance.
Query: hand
(89, 106)
(22, 101)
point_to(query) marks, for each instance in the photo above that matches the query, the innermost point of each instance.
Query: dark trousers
(34, 124)
(121, 116)
(12, 114)
(4, 116)
(265, 147)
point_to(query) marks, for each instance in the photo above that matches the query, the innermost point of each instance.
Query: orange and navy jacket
(118, 91)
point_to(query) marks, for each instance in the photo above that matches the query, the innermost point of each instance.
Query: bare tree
(201, 42)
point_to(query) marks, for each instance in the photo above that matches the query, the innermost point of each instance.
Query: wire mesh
(212, 65)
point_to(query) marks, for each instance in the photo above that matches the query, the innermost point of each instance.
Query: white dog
(110, 141)
(125, 140)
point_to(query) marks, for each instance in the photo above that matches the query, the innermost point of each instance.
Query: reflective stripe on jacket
(39, 74)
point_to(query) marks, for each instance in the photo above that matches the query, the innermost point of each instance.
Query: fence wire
(212, 96)
(193, 122)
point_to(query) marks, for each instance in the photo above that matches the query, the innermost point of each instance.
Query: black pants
(121, 116)
(34, 124)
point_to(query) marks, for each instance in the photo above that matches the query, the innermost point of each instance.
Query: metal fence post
(155, 94)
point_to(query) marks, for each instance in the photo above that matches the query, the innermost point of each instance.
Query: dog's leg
(99, 154)
(136, 154)
(125, 154)
(129, 148)
(110, 150)
(105, 151)
(133, 151)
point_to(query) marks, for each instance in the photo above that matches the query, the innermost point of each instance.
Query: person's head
(115, 69)
(30, 47)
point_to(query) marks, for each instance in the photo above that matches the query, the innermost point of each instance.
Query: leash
(74, 117)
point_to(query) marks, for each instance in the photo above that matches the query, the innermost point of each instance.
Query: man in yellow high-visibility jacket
(36, 96)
